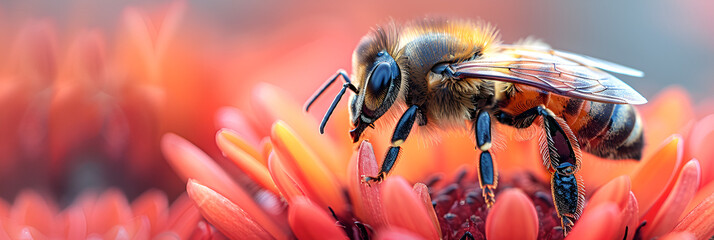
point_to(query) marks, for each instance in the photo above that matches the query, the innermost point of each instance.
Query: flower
(106, 215)
(280, 156)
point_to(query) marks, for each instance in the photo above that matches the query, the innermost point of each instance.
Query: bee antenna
(347, 85)
(327, 84)
(332, 106)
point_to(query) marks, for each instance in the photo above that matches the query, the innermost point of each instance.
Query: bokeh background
(88, 87)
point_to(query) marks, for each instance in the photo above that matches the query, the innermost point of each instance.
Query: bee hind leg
(561, 156)
(401, 132)
(488, 175)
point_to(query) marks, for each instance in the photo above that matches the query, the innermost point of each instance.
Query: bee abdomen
(620, 134)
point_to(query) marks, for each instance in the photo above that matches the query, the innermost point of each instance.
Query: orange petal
(273, 104)
(288, 186)
(500, 223)
(668, 113)
(237, 150)
(154, 206)
(404, 210)
(311, 222)
(190, 162)
(183, 217)
(266, 147)
(233, 118)
(652, 177)
(316, 178)
(367, 202)
(682, 192)
(700, 221)
(394, 233)
(230, 219)
(678, 236)
(600, 222)
(598, 171)
(31, 209)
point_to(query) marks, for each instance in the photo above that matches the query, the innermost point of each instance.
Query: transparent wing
(559, 72)
(585, 60)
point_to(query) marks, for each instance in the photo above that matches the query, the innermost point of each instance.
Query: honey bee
(457, 73)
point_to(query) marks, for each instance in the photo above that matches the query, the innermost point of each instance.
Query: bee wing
(584, 60)
(562, 73)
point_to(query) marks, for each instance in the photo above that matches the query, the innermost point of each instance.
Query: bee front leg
(488, 175)
(561, 155)
(401, 132)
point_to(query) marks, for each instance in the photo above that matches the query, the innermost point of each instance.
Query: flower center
(462, 212)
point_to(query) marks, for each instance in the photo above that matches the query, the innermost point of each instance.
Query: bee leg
(561, 155)
(401, 132)
(488, 176)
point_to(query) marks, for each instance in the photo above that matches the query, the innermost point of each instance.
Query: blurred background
(87, 88)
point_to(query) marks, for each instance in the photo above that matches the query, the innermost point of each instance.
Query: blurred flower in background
(88, 89)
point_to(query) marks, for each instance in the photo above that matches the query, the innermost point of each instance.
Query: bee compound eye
(380, 78)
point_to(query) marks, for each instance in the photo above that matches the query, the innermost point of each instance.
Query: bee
(448, 72)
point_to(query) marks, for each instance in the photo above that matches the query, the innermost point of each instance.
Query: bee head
(379, 88)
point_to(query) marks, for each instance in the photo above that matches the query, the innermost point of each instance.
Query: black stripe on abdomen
(622, 137)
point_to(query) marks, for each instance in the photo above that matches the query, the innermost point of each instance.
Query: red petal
(230, 219)
(502, 220)
(678, 236)
(404, 210)
(652, 177)
(111, 209)
(700, 221)
(699, 197)
(699, 147)
(154, 206)
(190, 162)
(618, 192)
(367, 201)
(311, 222)
(75, 223)
(682, 192)
(600, 222)
(183, 216)
(397, 234)
(422, 192)
(168, 235)
(32, 210)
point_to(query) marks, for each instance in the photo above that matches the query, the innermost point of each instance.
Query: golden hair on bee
(416, 46)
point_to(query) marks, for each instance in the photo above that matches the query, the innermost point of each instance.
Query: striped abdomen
(606, 130)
